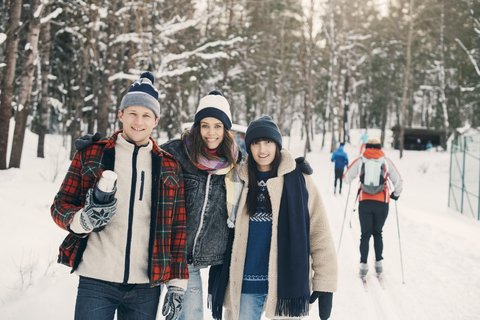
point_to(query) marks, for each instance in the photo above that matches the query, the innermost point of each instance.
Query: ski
(381, 281)
(364, 281)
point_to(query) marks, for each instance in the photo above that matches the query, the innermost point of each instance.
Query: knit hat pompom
(142, 93)
(149, 76)
(216, 106)
(263, 128)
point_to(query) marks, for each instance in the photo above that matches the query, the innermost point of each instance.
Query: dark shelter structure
(417, 138)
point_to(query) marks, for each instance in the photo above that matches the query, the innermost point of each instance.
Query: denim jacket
(206, 210)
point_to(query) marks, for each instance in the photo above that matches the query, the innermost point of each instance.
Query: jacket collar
(373, 153)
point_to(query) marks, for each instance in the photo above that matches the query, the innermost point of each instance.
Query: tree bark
(11, 50)
(110, 62)
(406, 78)
(82, 71)
(25, 90)
(43, 105)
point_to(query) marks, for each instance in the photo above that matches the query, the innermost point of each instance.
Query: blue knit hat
(216, 106)
(263, 128)
(143, 93)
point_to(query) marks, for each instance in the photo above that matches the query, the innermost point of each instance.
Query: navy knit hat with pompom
(216, 106)
(143, 93)
(263, 128)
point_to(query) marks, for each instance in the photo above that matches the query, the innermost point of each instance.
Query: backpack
(372, 175)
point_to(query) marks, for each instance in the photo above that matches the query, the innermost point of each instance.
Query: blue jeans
(98, 300)
(193, 297)
(251, 306)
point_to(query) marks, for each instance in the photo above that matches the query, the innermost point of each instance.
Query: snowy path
(436, 244)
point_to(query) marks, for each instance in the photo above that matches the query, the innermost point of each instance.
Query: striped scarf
(233, 183)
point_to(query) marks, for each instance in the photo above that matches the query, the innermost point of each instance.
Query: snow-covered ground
(440, 247)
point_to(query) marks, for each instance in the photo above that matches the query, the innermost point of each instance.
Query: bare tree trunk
(385, 107)
(346, 104)
(8, 78)
(442, 67)
(75, 126)
(332, 83)
(282, 89)
(310, 78)
(226, 61)
(43, 105)
(104, 102)
(406, 78)
(25, 90)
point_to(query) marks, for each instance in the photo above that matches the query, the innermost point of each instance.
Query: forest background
(333, 65)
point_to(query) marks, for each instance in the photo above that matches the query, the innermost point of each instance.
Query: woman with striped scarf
(210, 161)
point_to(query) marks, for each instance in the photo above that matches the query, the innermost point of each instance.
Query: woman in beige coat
(283, 254)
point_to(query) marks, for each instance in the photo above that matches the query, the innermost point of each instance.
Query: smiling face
(212, 132)
(263, 152)
(138, 123)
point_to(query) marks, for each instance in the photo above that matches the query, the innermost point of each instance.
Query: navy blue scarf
(293, 248)
(218, 279)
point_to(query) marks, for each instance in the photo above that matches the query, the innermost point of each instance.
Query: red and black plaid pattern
(167, 239)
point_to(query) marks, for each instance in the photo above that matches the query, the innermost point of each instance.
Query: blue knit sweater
(255, 274)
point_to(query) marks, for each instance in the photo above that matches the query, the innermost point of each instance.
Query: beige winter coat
(323, 257)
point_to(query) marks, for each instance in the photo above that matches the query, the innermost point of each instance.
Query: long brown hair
(199, 147)
(252, 179)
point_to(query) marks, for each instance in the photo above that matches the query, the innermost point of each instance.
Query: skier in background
(373, 206)
(363, 140)
(429, 145)
(340, 158)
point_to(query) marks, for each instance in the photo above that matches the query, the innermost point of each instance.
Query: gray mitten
(173, 303)
(96, 215)
(86, 141)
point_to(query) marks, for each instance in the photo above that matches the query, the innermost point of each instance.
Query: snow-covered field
(440, 247)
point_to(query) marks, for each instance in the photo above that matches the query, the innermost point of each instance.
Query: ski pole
(351, 215)
(399, 242)
(344, 216)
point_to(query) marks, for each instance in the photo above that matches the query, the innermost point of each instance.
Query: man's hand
(173, 303)
(96, 215)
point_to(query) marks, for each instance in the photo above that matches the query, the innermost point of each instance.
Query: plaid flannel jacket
(167, 247)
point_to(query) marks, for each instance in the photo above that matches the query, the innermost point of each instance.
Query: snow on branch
(359, 37)
(51, 16)
(73, 32)
(172, 26)
(133, 37)
(3, 37)
(469, 56)
(123, 75)
(198, 51)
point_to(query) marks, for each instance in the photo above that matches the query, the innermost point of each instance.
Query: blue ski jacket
(340, 158)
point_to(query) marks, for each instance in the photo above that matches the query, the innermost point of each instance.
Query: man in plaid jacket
(126, 249)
